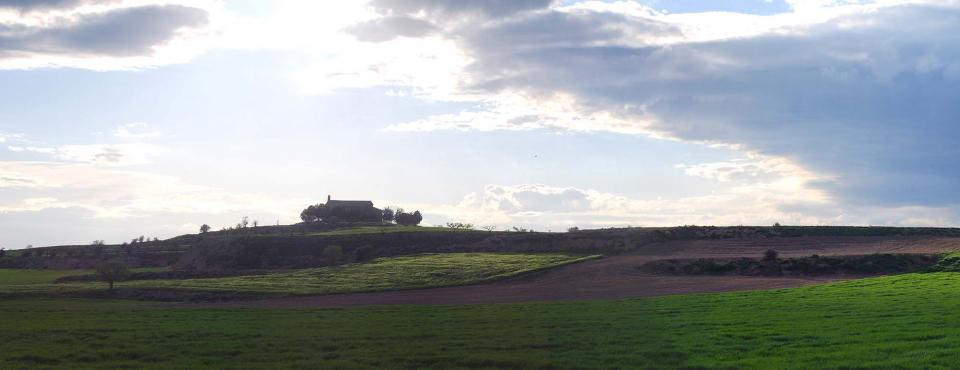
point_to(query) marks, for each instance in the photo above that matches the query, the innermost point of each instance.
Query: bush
(333, 254)
(313, 213)
(709, 266)
(799, 266)
(949, 263)
(388, 214)
(770, 255)
(408, 219)
(363, 253)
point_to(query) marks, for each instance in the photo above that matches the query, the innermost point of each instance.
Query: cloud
(544, 207)
(534, 198)
(516, 112)
(119, 32)
(111, 193)
(88, 202)
(455, 8)
(33, 205)
(137, 130)
(861, 94)
(45, 5)
(389, 28)
(99, 154)
(14, 181)
(5, 137)
(100, 37)
(425, 68)
(31, 149)
(756, 170)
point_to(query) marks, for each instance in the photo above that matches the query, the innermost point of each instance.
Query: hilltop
(302, 245)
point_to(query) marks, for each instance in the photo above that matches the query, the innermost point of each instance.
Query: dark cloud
(533, 51)
(446, 8)
(546, 30)
(869, 100)
(389, 28)
(120, 32)
(40, 5)
(872, 103)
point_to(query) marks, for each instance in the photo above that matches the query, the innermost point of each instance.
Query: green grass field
(394, 273)
(20, 276)
(40, 281)
(904, 321)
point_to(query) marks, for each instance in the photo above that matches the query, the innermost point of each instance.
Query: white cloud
(555, 208)
(112, 193)
(429, 68)
(18, 180)
(100, 154)
(754, 169)
(89, 202)
(543, 208)
(517, 112)
(6, 137)
(31, 149)
(137, 130)
(33, 205)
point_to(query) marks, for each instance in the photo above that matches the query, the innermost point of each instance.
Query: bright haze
(140, 117)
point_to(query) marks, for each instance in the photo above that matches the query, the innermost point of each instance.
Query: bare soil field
(619, 276)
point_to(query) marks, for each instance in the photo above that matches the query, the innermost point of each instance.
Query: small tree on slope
(111, 272)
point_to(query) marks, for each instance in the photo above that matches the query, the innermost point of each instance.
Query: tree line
(322, 213)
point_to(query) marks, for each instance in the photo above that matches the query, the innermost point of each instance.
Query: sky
(121, 118)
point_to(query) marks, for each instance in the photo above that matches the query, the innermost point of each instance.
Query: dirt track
(619, 276)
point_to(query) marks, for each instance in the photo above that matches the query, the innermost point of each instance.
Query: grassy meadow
(21, 276)
(13, 281)
(898, 321)
(392, 273)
